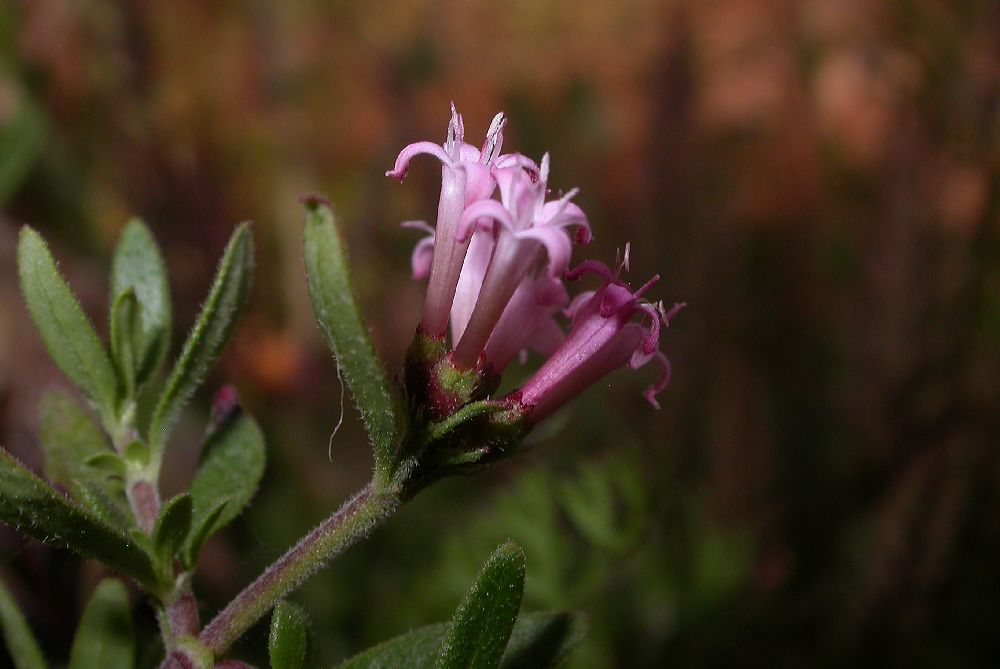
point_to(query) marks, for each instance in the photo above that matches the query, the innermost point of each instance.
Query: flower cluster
(496, 268)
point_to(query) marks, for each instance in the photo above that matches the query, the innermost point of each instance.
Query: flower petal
(483, 209)
(402, 165)
(557, 246)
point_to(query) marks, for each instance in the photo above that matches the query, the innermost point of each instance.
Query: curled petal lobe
(402, 165)
(484, 209)
(557, 245)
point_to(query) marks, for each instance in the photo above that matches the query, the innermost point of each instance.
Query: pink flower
(602, 338)
(466, 177)
(527, 230)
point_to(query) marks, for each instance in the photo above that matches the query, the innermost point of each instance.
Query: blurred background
(819, 180)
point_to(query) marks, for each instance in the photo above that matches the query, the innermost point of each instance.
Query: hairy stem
(350, 523)
(144, 499)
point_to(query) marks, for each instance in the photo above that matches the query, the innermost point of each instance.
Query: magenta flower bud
(527, 231)
(466, 177)
(602, 338)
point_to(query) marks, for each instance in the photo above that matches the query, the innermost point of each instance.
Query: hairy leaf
(33, 508)
(345, 330)
(484, 620)
(126, 339)
(172, 527)
(215, 323)
(138, 265)
(541, 640)
(104, 638)
(232, 464)
(287, 641)
(68, 436)
(68, 335)
(21, 644)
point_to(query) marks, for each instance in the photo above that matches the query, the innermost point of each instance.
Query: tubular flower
(602, 338)
(526, 230)
(466, 177)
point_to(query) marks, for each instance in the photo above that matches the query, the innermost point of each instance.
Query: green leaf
(68, 436)
(108, 503)
(138, 265)
(107, 463)
(21, 642)
(22, 140)
(126, 339)
(232, 464)
(172, 527)
(287, 641)
(68, 335)
(104, 638)
(33, 508)
(340, 320)
(541, 640)
(484, 620)
(215, 323)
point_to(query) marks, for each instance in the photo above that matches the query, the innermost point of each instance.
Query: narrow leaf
(540, 640)
(287, 641)
(107, 463)
(108, 503)
(68, 436)
(68, 335)
(104, 638)
(138, 265)
(345, 330)
(21, 644)
(126, 339)
(484, 620)
(231, 467)
(543, 640)
(215, 323)
(172, 527)
(33, 508)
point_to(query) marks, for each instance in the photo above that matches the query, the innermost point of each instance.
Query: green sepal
(211, 331)
(483, 622)
(126, 339)
(138, 266)
(172, 527)
(21, 643)
(69, 435)
(104, 638)
(332, 295)
(288, 640)
(33, 508)
(232, 464)
(69, 337)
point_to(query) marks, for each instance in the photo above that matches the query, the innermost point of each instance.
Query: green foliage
(347, 335)
(138, 267)
(172, 527)
(232, 464)
(21, 644)
(215, 323)
(33, 508)
(483, 623)
(68, 335)
(540, 640)
(287, 643)
(69, 436)
(104, 638)
(126, 339)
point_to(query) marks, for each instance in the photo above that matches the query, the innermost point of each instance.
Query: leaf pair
(485, 631)
(104, 638)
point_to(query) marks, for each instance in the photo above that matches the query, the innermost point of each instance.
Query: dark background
(817, 179)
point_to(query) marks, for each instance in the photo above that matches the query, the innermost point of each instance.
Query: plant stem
(369, 507)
